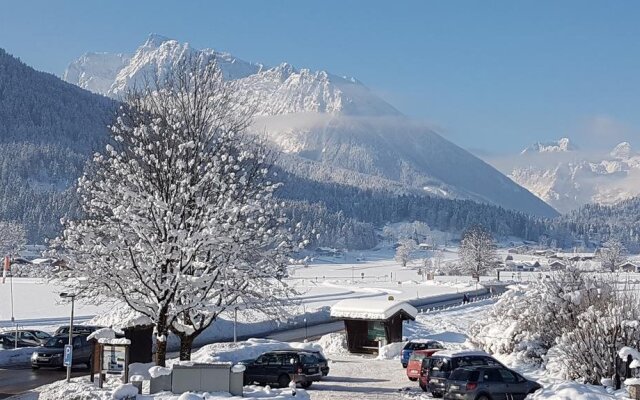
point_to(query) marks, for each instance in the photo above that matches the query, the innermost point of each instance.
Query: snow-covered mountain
(325, 122)
(566, 177)
(560, 146)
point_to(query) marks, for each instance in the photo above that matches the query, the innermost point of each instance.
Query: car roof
(460, 353)
(427, 351)
(424, 341)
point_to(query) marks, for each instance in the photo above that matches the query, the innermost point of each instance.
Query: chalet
(628, 267)
(370, 324)
(556, 265)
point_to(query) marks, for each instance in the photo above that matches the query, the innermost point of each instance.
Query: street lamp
(72, 296)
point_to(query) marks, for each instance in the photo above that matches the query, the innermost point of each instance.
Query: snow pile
(158, 371)
(573, 391)
(391, 351)
(19, 356)
(102, 333)
(140, 369)
(242, 351)
(123, 391)
(334, 343)
(120, 341)
(82, 388)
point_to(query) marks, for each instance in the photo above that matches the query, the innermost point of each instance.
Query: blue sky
(492, 76)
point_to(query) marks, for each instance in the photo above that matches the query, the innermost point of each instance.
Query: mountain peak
(560, 146)
(622, 151)
(155, 40)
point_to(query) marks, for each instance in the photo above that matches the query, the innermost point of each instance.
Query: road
(17, 381)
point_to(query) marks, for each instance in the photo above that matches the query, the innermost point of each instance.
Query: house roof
(371, 309)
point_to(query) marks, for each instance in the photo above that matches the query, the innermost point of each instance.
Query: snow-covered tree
(477, 250)
(404, 250)
(612, 254)
(179, 220)
(12, 238)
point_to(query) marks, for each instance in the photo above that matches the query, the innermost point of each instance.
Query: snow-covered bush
(572, 321)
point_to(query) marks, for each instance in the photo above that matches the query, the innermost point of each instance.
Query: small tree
(612, 254)
(477, 250)
(404, 251)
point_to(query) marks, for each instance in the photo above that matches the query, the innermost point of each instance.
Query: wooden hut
(370, 324)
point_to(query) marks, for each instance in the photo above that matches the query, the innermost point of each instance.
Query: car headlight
(34, 356)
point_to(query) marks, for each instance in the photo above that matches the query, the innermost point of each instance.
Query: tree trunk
(162, 331)
(186, 343)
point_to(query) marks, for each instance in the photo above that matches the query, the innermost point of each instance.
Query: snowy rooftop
(370, 309)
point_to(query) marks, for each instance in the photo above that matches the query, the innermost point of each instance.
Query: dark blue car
(417, 344)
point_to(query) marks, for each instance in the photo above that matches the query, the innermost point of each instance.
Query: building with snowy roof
(370, 324)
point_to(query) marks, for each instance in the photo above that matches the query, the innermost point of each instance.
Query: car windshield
(56, 342)
(41, 335)
(464, 375)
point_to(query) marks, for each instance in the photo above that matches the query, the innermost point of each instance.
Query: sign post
(68, 355)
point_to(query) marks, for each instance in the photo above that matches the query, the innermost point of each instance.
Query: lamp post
(72, 296)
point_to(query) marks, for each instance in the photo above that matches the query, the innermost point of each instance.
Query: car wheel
(305, 385)
(283, 380)
(35, 367)
(413, 379)
(404, 365)
(423, 387)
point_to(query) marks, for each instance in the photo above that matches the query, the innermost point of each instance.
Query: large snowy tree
(404, 251)
(477, 250)
(179, 220)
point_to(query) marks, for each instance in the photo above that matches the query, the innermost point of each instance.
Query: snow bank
(572, 391)
(102, 333)
(19, 356)
(391, 351)
(334, 343)
(82, 388)
(141, 369)
(157, 371)
(123, 391)
(242, 351)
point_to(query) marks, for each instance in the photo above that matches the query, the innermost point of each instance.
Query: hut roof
(371, 309)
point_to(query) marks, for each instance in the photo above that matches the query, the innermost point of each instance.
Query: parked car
(8, 341)
(77, 330)
(31, 337)
(488, 383)
(415, 362)
(322, 361)
(52, 353)
(419, 344)
(282, 367)
(441, 364)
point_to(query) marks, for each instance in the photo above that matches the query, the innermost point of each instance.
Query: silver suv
(488, 383)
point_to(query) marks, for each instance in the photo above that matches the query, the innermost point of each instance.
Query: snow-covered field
(327, 280)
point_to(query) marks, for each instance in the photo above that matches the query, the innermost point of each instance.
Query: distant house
(628, 267)
(556, 265)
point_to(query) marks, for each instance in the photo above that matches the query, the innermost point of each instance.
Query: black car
(322, 361)
(8, 341)
(488, 383)
(77, 330)
(31, 336)
(444, 362)
(52, 353)
(282, 367)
